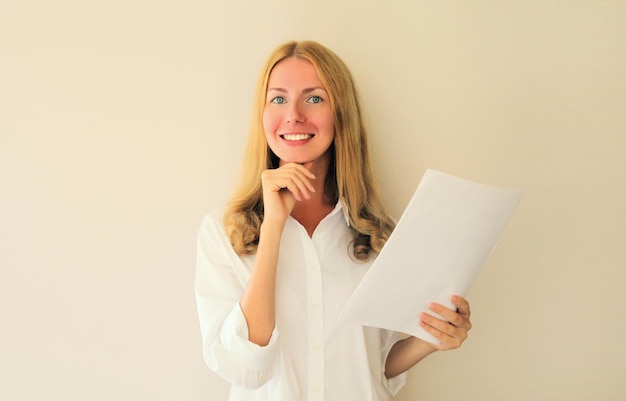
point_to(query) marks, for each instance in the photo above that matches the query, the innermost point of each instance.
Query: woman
(277, 266)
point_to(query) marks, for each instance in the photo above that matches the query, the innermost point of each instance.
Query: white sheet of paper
(437, 249)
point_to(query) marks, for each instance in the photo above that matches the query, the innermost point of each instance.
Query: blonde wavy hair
(350, 177)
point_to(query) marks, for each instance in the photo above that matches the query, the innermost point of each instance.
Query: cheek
(269, 122)
(327, 118)
(267, 131)
(330, 124)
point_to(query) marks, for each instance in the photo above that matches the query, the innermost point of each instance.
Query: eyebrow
(305, 90)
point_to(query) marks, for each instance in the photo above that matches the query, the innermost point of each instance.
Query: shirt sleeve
(393, 385)
(220, 283)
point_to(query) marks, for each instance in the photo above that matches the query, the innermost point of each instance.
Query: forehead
(294, 72)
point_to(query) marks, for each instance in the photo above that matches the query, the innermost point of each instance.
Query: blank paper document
(442, 240)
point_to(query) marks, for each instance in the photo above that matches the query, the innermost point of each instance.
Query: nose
(295, 114)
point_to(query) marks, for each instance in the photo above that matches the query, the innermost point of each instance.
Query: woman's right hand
(282, 187)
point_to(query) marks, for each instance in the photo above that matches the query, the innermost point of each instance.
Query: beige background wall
(122, 123)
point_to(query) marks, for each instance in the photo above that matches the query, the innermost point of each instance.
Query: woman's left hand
(453, 330)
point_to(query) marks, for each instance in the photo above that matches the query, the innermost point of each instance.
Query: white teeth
(296, 137)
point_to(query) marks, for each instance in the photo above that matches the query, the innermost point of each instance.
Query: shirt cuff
(396, 383)
(234, 337)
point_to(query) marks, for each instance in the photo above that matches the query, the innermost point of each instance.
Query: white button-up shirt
(313, 355)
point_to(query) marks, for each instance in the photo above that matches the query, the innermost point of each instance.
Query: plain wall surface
(123, 123)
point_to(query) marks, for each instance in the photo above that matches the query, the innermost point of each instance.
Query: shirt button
(317, 388)
(316, 346)
(316, 306)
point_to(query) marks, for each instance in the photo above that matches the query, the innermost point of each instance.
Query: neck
(319, 167)
(309, 212)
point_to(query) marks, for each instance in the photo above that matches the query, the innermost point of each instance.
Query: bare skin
(408, 352)
(294, 190)
(290, 190)
(299, 127)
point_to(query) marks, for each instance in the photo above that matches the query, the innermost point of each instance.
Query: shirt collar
(340, 206)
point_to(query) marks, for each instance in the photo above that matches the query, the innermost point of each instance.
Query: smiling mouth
(296, 137)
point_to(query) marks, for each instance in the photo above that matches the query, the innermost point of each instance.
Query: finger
(438, 324)
(450, 336)
(447, 314)
(298, 172)
(303, 167)
(298, 189)
(461, 304)
(290, 179)
(452, 316)
(445, 340)
(301, 184)
(306, 176)
(307, 169)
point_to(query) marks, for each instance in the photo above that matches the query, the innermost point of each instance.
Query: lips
(296, 137)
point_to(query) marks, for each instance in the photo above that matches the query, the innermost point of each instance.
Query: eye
(279, 100)
(315, 99)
